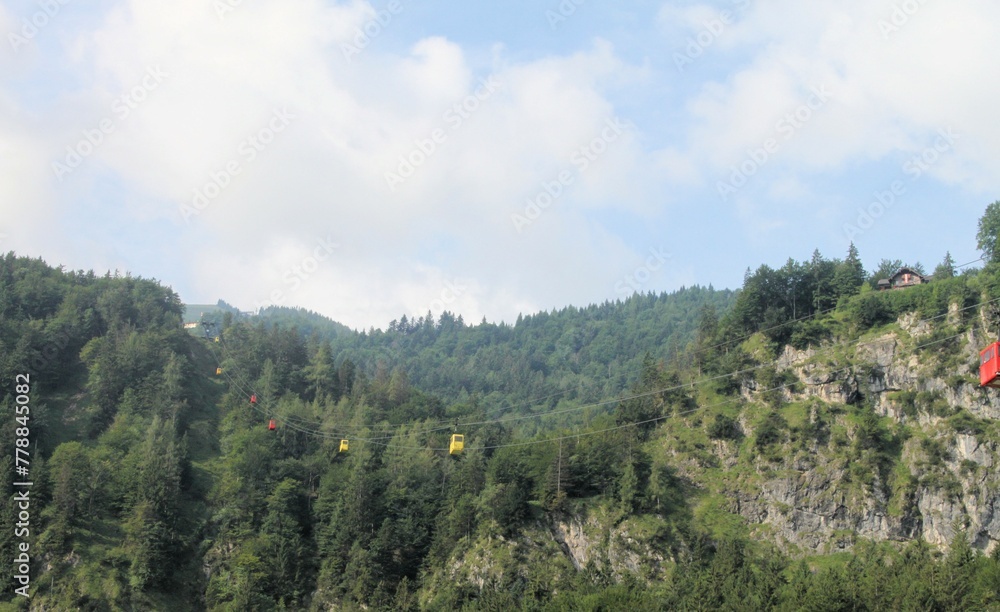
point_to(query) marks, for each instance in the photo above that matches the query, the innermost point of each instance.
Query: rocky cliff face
(813, 512)
(549, 550)
(943, 477)
(596, 540)
(930, 473)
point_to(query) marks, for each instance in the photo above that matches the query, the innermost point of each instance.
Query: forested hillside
(118, 411)
(578, 353)
(804, 443)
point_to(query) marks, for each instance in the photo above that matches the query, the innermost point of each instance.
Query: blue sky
(369, 160)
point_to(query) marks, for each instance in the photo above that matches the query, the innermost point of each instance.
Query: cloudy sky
(372, 159)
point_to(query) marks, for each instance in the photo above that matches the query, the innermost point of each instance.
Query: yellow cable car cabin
(343, 446)
(218, 371)
(216, 338)
(457, 444)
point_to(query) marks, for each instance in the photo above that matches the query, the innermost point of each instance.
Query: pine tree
(399, 387)
(321, 374)
(989, 231)
(708, 329)
(628, 489)
(283, 538)
(145, 539)
(954, 588)
(825, 292)
(850, 274)
(945, 269)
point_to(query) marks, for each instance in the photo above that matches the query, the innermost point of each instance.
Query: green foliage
(869, 310)
(885, 269)
(871, 433)
(731, 370)
(989, 230)
(811, 332)
(774, 384)
(945, 269)
(849, 274)
(159, 487)
(111, 508)
(626, 596)
(782, 303)
(596, 463)
(724, 428)
(666, 491)
(656, 394)
(929, 300)
(310, 324)
(584, 354)
(508, 490)
(935, 451)
(965, 423)
(771, 430)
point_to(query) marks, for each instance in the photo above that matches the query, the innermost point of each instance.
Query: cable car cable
(611, 401)
(691, 352)
(692, 384)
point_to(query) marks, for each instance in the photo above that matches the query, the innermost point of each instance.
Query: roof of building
(904, 270)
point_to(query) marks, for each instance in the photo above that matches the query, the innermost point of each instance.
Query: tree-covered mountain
(586, 353)
(308, 323)
(804, 443)
(116, 402)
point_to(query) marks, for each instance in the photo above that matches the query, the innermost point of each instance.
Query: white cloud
(27, 206)
(353, 116)
(324, 174)
(676, 166)
(891, 90)
(886, 94)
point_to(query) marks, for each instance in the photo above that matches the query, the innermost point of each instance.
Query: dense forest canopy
(158, 484)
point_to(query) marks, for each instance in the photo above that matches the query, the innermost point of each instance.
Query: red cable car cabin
(271, 425)
(989, 366)
(253, 398)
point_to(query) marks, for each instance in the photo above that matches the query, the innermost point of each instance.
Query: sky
(368, 160)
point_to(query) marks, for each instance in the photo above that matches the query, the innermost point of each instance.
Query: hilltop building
(902, 278)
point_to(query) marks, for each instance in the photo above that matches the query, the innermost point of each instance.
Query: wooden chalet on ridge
(902, 278)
